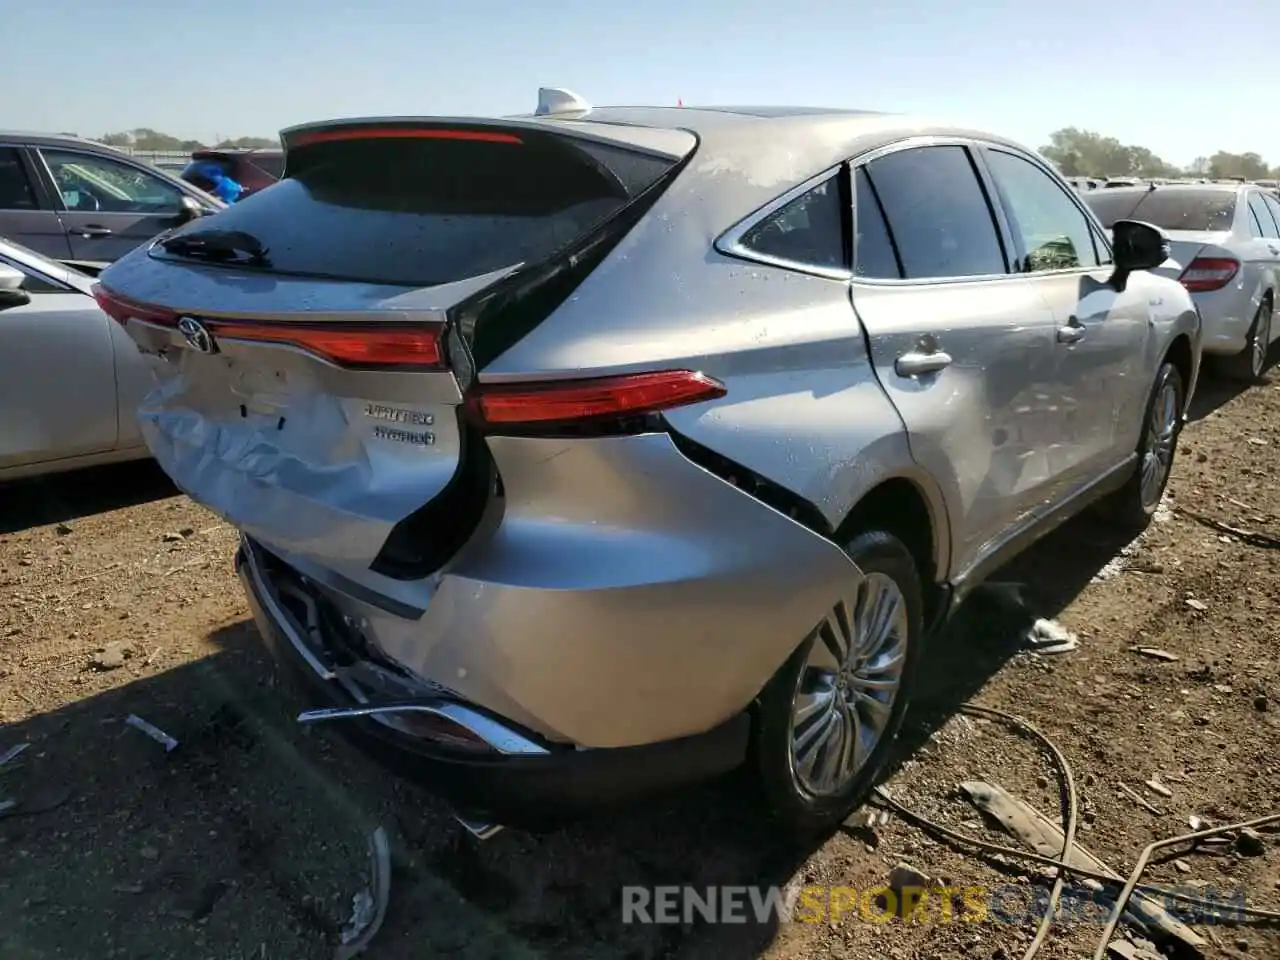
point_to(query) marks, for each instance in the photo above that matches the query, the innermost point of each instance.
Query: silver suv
(590, 452)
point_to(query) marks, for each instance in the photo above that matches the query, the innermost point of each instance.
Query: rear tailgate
(323, 332)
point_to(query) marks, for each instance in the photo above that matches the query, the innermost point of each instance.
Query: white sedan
(70, 377)
(1225, 249)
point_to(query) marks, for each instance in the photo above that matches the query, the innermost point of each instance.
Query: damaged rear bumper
(522, 780)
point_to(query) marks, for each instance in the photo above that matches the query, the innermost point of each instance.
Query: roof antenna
(557, 101)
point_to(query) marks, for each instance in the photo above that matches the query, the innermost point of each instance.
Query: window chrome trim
(730, 242)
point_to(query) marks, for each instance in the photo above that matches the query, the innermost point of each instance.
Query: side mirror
(191, 210)
(11, 292)
(1136, 246)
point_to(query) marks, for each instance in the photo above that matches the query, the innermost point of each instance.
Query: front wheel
(1134, 504)
(828, 717)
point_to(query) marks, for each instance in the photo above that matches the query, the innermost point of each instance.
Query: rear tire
(1250, 364)
(826, 724)
(1134, 504)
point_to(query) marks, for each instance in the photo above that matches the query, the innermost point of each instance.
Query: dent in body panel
(283, 446)
(617, 602)
(983, 426)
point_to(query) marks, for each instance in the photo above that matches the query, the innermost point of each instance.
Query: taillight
(599, 400)
(411, 346)
(1209, 273)
(351, 345)
(122, 310)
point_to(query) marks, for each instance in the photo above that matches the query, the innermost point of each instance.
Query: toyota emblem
(197, 337)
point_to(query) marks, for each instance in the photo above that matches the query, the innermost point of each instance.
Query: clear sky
(1181, 77)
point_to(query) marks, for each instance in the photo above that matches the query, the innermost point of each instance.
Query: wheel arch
(911, 508)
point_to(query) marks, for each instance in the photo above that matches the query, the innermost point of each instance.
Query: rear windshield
(1208, 210)
(423, 212)
(272, 163)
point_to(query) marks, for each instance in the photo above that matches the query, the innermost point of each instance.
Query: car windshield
(1205, 210)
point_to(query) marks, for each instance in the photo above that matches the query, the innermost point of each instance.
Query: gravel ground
(248, 840)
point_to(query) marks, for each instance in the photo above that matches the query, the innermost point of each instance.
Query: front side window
(92, 184)
(808, 230)
(937, 213)
(16, 191)
(1053, 233)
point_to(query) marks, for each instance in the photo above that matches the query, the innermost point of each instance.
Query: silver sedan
(79, 412)
(1225, 249)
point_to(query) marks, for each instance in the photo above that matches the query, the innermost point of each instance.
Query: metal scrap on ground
(369, 906)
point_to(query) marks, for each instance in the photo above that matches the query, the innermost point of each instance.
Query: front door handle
(92, 230)
(917, 364)
(1274, 251)
(1073, 332)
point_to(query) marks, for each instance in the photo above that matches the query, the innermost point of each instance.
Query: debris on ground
(1139, 799)
(1049, 636)
(152, 731)
(1155, 653)
(369, 906)
(1155, 786)
(1023, 821)
(1198, 605)
(1124, 950)
(110, 657)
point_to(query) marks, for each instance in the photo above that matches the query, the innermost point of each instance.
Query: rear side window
(423, 212)
(16, 192)
(937, 212)
(874, 257)
(809, 230)
(1202, 210)
(1273, 205)
(1265, 220)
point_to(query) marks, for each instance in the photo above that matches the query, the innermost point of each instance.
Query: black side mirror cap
(191, 210)
(1136, 245)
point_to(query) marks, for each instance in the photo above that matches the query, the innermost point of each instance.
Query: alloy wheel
(1260, 342)
(845, 693)
(1162, 434)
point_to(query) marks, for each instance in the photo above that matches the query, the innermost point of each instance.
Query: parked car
(1226, 250)
(70, 379)
(253, 169)
(86, 203)
(583, 468)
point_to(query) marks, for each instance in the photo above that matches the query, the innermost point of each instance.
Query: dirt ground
(117, 597)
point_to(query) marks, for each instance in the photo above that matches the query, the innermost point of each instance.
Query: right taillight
(1209, 273)
(592, 401)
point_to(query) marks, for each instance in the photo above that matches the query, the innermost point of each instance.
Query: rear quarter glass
(427, 212)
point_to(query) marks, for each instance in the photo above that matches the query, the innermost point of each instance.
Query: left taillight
(122, 309)
(599, 402)
(361, 345)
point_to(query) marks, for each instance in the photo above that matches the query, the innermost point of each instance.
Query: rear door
(109, 206)
(1265, 250)
(1102, 371)
(315, 398)
(27, 214)
(57, 373)
(964, 349)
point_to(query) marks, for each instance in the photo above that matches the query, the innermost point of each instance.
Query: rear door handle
(92, 230)
(1073, 332)
(1274, 250)
(916, 364)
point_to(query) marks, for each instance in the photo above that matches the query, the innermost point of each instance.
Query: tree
(1250, 166)
(1079, 152)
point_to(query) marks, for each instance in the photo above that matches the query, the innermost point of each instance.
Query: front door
(111, 206)
(964, 349)
(1101, 383)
